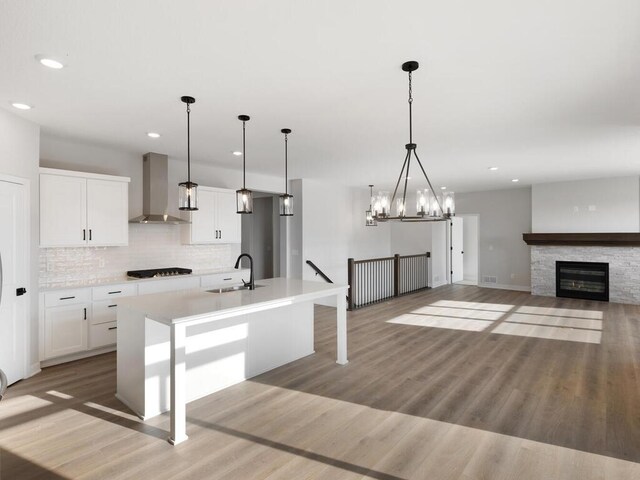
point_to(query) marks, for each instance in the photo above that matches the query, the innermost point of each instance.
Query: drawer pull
(66, 298)
(114, 305)
(112, 328)
(85, 313)
(117, 291)
(225, 279)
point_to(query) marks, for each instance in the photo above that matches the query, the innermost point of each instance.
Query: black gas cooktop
(159, 272)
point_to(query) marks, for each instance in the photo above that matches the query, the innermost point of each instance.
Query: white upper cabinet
(63, 211)
(216, 220)
(107, 212)
(82, 209)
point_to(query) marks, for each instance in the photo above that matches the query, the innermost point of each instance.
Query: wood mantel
(584, 239)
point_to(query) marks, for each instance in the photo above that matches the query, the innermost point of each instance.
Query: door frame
(28, 368)
(477, 216)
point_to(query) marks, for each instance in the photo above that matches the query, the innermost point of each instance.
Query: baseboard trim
(76, 356)
(439, 284)
(34, 369)
(499, 286)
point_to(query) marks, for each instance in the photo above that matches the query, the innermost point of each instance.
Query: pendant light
(244, 197)
(188, 191)
(286, 200)
(370, 221)
(429, 205)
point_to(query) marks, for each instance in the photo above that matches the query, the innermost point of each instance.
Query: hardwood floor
(454, 383)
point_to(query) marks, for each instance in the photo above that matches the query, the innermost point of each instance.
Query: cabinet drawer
(114, 291)
(67, 297)
(168, 285)
(103, 334)
(104, 311)
(221, 279)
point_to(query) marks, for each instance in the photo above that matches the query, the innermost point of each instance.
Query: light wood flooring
(458, 382)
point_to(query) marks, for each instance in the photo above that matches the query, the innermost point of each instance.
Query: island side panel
(225, 352)
(279, 336)
(130, 359)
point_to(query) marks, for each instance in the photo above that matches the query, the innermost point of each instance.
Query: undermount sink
(233, 288)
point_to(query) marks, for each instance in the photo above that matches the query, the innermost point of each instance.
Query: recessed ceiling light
(153, 135)
(236, 153)
(21, 106)
(49, 62)
(515, 180)
(443, 188)
(493, 169)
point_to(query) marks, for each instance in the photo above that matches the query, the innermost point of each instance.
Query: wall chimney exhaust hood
(155, 191)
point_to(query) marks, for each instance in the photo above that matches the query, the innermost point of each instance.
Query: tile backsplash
(150, 246)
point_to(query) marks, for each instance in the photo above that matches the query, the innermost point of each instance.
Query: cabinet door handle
(114, 305)
(66, 298)
(112, 328)
(220, 234)
(117, 291)
(225, 279)
(85, 313)
(89, 234)
(84, 234)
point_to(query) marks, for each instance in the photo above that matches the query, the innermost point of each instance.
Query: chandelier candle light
(188, 191)
(429, 205)
(244, 197)
(286, 200)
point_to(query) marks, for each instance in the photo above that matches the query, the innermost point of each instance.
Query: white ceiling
(545, 90)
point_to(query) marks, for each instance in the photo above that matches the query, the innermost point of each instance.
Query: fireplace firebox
(588, 280)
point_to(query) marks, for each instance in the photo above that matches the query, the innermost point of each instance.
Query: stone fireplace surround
(624, 263)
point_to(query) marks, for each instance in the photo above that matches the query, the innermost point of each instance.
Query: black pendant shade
(286, 200)
(188, 191)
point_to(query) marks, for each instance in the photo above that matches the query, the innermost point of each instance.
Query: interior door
(13, 278)
(457, 250)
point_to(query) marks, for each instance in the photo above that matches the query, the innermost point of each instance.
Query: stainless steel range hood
(155, 191)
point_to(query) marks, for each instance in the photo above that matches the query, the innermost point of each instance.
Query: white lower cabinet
(66, 329)
(103, 334)
(85, 319)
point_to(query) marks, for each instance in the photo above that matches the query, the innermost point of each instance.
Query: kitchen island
(176, 347)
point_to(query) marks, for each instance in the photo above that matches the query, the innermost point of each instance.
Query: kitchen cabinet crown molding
(74, 173)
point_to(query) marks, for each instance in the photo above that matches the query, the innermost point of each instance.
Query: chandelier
(430, 207)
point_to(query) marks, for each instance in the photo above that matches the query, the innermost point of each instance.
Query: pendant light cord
(188, 143)
(244, 156)
(410, 111)
(286, 164)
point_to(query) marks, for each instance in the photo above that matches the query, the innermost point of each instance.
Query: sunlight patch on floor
(455, 323)
(561, 312)
(549, 333)
(565, 324)
(496, 307)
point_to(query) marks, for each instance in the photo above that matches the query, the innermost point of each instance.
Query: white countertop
(193, 305)
(97, 282)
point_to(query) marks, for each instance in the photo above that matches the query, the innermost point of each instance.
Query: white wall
(328, 228)
(504, 215)
(601, 205)
(410, 238)
(19, 147)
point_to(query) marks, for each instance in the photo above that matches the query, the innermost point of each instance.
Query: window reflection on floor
(566, 324)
